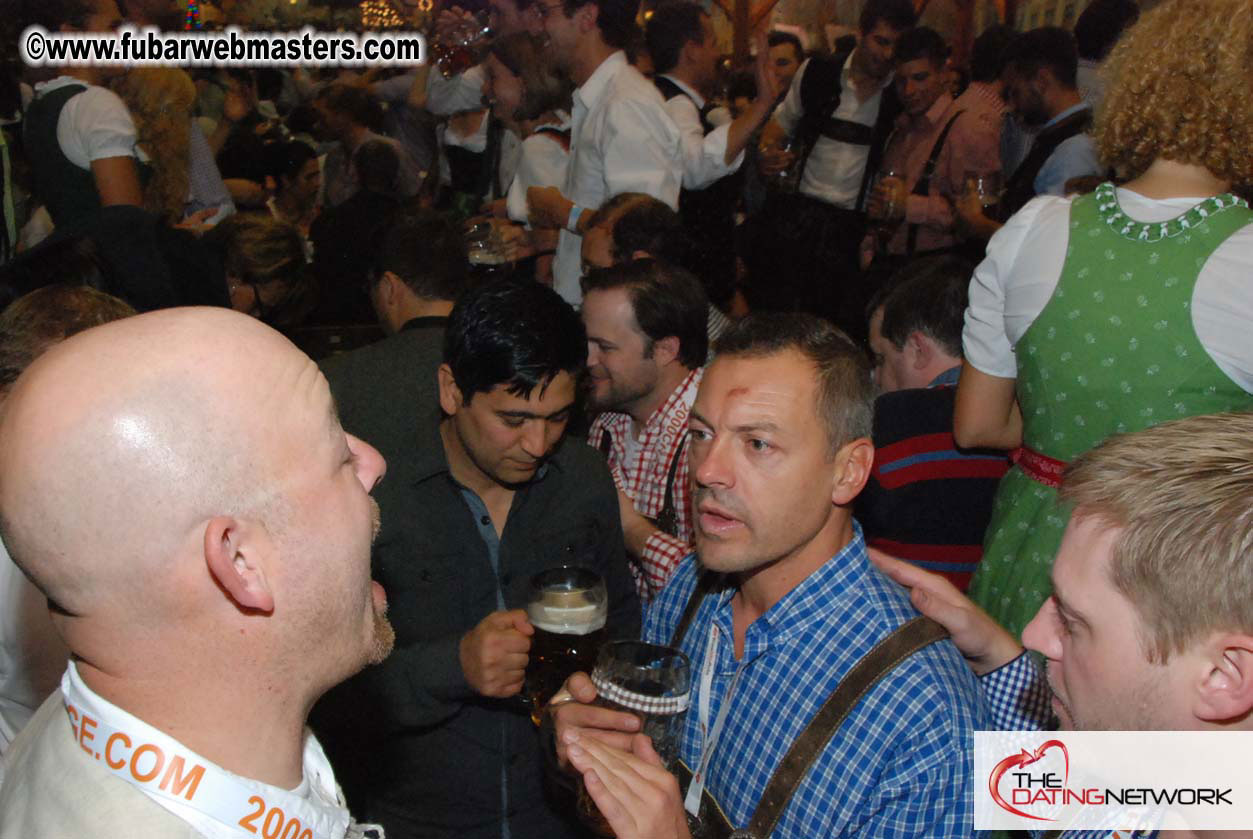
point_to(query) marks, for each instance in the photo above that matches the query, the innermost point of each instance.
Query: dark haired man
(786, 55)
(786, 602)
(926, 501)
(1096, 32)
(838, 112)
(632, 226)
(646, 347)
(934, 145)
(419, 269)
(622, 139)
(1040, 83)
(684, 49)
(484, 498)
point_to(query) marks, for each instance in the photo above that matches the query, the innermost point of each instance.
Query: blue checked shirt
(900, 766)
(1020, 700)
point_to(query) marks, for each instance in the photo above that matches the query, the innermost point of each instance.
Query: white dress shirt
(703, 154)
(834, 170)
(622, 140)
(1024, 264)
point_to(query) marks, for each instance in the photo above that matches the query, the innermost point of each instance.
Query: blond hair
(1182, 495)
(1178, 89)
(160, 100)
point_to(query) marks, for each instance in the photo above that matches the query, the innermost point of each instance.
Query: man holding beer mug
(779, 449)
(487, 499)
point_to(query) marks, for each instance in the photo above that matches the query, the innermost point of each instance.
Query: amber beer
(568, 608)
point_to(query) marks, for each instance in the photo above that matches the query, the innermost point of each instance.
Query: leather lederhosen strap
(805, 749)
(923, 186)
(667, 520)
(845, 131)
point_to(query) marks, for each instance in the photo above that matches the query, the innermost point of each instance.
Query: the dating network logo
(1027, 788)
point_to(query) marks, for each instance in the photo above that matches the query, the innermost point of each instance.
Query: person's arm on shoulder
(984, 643)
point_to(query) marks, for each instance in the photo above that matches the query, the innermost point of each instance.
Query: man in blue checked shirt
(779, 449)
(1150, 625)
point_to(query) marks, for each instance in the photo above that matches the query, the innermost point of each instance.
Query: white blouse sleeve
(986, 338)
(542, 163)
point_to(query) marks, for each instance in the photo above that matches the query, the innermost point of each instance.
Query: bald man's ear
(853, 463)
(1225, 690)
(233, 560)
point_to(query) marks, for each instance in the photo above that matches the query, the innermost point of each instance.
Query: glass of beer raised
(567, 606)
(653, 683)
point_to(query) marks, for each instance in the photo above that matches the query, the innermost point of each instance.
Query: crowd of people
(306, 374)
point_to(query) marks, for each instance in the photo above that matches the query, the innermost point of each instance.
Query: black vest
(67, 190)
(820, 96)
(709, 216)
(1021, 186)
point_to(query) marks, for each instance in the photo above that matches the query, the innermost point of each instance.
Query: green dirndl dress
(1113, 350)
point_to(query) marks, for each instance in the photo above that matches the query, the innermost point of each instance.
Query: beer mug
(457, 48)
(567, 606)
(653, 683)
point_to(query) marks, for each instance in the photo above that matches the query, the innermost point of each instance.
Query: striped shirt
(900, 766)
(641, 467)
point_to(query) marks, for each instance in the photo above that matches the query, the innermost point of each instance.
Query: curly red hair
(1179, 86)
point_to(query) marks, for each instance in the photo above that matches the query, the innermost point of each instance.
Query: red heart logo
(1024, 758)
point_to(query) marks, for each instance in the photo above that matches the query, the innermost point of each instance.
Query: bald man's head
(161, 473)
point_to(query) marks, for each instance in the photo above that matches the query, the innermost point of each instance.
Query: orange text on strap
(144, 761)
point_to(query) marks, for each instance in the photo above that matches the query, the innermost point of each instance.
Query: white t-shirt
(1024, 263)
(93, 125)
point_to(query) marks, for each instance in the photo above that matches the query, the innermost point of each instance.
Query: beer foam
(568, 613)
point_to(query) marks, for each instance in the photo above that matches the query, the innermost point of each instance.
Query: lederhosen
(803, 254)
(1021, 186)
(708, 216)
(807, 747)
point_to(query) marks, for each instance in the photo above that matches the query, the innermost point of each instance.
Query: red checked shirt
(641, 468)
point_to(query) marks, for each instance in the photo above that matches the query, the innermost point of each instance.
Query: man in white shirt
(202, 533)
(622, 139)
(837, 115)
(79, 136)
(685, 55)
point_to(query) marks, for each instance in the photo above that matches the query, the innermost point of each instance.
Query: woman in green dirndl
(1122, 308)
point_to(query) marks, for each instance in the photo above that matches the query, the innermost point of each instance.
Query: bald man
(179, 486)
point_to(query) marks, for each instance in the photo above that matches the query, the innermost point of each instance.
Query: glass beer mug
(653, 683)
(568, 607)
